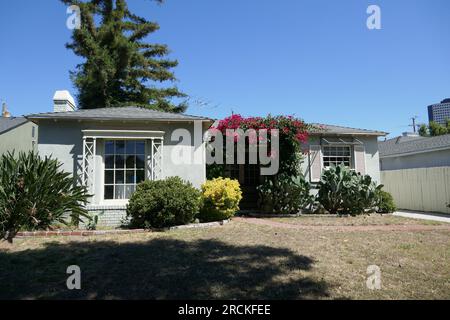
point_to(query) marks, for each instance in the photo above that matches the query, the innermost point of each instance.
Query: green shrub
(284, 194)
(35, 193)
(385, 202)
(163, 203)
(343, 191)
(220, 199)
(360, 196)
(215, 171)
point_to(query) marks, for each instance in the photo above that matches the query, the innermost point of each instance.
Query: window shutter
(360, 159)
(315, 162)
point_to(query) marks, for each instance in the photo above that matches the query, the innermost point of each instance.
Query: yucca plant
(35, 193)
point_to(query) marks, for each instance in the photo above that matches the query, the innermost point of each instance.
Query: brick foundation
(112, 216)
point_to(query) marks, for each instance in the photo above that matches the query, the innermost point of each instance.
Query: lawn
(240, 260)
(362, 220)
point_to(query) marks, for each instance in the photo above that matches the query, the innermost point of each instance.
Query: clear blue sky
(314, 59)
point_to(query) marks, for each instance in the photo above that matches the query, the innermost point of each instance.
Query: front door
(249, 177)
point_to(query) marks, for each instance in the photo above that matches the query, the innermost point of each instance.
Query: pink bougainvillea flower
(301, 137)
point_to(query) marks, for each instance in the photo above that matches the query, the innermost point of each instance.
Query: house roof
(119, 113)
(7, 124)
(339, 130)
(408, 145)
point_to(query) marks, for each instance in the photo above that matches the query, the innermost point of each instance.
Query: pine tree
(120, 68)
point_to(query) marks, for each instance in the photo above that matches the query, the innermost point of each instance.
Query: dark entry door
(249, 177)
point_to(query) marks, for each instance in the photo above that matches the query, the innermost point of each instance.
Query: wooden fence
(423, 189)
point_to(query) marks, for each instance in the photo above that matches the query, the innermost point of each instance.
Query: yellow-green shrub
(221, 199)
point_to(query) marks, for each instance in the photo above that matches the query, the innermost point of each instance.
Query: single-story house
(331, 145)
(413, 151)
(111, 150)
(16, 133)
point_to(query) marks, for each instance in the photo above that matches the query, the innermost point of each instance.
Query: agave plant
(35, 193)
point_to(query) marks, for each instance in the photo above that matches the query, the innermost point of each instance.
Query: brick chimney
(5, 112)
(63, 101)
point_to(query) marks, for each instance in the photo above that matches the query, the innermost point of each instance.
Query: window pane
(130, 147)
(109, 192)
(140, 162)
(140, 176)
(120, 162)
(109, 176)
(109, 147)
(120, 175)
(333, 156)
(125, 164)
(140, 147)
(120, 147)
(119, 192)
(109, 162)
(130, 178)
(129, 190)
(131, 162)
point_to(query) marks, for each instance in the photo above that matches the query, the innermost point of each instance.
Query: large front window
(124, 167)
(336, 155)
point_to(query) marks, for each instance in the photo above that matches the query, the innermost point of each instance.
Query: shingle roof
(406, 145)
(339, 130)
(122, 113)
(7, 124)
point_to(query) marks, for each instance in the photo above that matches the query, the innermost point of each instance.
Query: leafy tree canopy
(434, 129)
(120, 68)
(423, 130)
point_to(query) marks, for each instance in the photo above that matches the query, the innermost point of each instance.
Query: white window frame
(95, 180)
(114, 184)
(349, 156)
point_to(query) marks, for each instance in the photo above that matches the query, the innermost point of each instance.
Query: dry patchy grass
(362, 220)
(238, 260)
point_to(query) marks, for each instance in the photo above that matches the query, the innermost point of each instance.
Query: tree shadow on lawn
(158, 269)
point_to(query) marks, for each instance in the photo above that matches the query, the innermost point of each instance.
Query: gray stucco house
(112, 150)
(331, 145)
(356, 148)
(413, 151)
(16, 133)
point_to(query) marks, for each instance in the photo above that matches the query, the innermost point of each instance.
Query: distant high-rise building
(439, 112)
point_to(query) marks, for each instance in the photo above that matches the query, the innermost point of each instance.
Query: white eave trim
(123, 134)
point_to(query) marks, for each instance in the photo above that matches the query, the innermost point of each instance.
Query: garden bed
(90, 233)
(270, 215)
